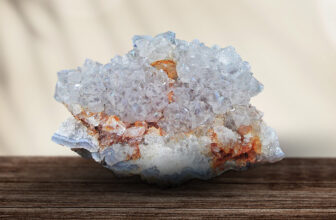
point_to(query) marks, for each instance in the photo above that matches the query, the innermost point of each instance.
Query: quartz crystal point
(168, 110)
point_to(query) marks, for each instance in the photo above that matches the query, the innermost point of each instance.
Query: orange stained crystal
(169, 66)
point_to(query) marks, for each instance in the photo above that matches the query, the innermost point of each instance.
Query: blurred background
(290, 44)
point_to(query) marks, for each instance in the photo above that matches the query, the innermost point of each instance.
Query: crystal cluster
(168, 110)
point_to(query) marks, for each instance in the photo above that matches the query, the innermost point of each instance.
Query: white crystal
(211, 81)
(188, 119)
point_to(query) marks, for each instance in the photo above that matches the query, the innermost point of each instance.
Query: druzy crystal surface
(168, 110)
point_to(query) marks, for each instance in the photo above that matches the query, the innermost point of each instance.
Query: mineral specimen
(168, 110)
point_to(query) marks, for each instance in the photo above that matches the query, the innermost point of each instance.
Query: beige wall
(291, 46)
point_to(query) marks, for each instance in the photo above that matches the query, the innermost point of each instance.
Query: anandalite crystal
(168, 110)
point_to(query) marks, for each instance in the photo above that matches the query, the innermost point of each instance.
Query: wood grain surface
(75, 188)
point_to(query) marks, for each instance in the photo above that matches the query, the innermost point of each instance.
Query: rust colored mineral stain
(168, 66)
(242, 153)
(213, 135)
(136, 153)
(243, 130)
(112, 130)
(140, 124)
(156, 131)
(256, 143)
(171, 96)
(116, 117)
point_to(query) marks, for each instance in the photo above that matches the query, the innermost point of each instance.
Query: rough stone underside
(168, 110)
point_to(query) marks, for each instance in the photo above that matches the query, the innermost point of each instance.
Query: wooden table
(72, 187)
